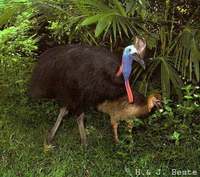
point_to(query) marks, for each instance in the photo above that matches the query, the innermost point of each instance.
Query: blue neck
(127, 61)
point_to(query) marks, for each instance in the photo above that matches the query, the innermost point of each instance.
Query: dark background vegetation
(168, 139)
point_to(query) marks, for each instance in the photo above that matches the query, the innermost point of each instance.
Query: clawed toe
(48, 146)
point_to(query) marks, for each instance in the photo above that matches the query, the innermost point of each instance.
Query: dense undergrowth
(164, 144)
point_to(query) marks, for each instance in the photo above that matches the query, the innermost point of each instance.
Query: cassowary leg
(63, 112)
(80, 121)
(115, 127)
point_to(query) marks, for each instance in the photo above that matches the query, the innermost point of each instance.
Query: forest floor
(23, 129)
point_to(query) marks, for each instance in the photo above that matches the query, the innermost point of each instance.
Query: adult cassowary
(82, 76)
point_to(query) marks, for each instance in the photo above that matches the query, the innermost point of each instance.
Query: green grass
(23, 128)
(24, 125)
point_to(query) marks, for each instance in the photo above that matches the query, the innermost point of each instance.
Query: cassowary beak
(139, 60)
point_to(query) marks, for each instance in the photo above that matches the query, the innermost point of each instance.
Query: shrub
(18, 40)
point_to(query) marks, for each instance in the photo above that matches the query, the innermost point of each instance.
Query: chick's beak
(158, 104)
(139, 60)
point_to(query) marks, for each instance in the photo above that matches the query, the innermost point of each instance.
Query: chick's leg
(80, 121)
(115, 127)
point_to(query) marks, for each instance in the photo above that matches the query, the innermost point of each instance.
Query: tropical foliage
(168, 139)
(170, 29)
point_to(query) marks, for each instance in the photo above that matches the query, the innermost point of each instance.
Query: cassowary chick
(120, 109)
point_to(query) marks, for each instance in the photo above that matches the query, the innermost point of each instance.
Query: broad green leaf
(91, 20)
(101, 26)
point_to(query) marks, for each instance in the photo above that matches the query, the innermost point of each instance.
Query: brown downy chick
(121, 110)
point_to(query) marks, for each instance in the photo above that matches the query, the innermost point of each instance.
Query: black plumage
(77, 76)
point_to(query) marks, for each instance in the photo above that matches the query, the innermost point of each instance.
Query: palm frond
(109, 19)
(188, 54)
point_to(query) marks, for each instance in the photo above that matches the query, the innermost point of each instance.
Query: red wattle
(129, 91)
(119, 72)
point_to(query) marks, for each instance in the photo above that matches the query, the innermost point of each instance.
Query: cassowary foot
(49, 139)
(84, 143)
(116, 141)
(48, 147)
